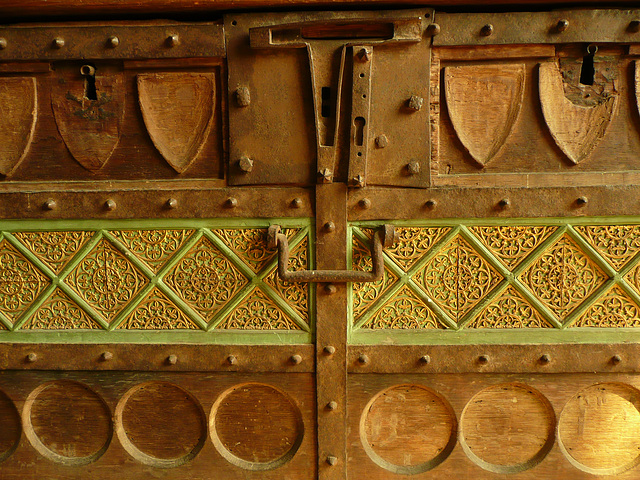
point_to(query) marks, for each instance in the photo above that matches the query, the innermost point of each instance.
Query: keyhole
(359, 123)
(587, 73)
(89, 74)
(325, 109)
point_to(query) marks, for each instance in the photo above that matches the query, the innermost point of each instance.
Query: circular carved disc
(599, 428)
(67, 422)
(10, 427)
(507, 428)
(408, 429)
(161, 424)
(256, 426)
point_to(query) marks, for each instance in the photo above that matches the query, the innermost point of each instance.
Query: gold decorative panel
(154, 247)
(457, 277)
(54, 249)
(412, 244)
(258, 312)
(562, 277)
(613, 310)
(512, 244)
(509, 310)
(157, 312)
(59, 312)
(616, 243)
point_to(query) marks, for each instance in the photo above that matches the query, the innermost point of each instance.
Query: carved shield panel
(576, 128)
(484, 103)
(89, 117)
(178, 112)
(18, 111)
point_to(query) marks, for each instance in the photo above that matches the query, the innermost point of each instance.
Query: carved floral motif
(296, 294)
(59, 312)
(55, 249)
(157, 312)
(617, 243)
(509, 310)
(404, 311)
(614, 310)
(257, 312)
(154, 247)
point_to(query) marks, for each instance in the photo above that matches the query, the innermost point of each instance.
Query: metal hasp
(382, 238)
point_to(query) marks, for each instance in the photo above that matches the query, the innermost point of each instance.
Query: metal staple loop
(382, 238)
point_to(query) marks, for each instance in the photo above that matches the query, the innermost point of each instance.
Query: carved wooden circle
(599, 429)
(507, 428)
(408, 429)
(10, 427)
(67, 422)
(160, 424)
(256, 426)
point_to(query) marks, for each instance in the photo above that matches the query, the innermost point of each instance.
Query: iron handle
(384, 237)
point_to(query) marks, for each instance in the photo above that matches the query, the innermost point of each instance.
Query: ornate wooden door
(358, 244)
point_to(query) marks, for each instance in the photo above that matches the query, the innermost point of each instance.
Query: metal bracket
(382, 238)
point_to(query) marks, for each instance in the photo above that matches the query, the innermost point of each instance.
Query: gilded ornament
(296, 294)
(613, 310)
(509, 310)
(59, 312)
(511, 244)
(257, 312)
(563, 277)
(616, 243)
(20, 282)
(106, 280)
(405, 311)
(205, 279)
(457, 277)
(153, 247)
(157, 312)
(54, 249)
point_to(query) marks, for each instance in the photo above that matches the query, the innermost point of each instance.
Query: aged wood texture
(139, 425)
(484, 103)
(577, 129)
(507, 423)
(19, 111)
(637, 84)
(178, 111)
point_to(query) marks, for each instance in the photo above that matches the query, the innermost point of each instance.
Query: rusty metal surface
(331, 334)
(535, 358)
(129, 40)
(558, 26)
(162, 358)
(376, 203)
(280, 240)
(192, 200)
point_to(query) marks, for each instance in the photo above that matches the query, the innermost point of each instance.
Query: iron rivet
(58, 42)
(332, 460)
(634, 26)
(545, 358)
(562, 25)
(433, 29)
(425, 359)
(358, 181)
(106, 356)
(413, 168)
(32, 357)
(363, 55)
(3, 43)
(110, 205)
(483, 359)
(329, 349)
(504, 203)
(326, 175)
(363, 359)
(582, 201)
(296, 203)
(616, 359)
(231, 202)
(296, 359)
(172, 203)
(382, 141)
(332, 405)
(173, 40)
(243, 96)
(50, 204)
(330, 289)
(415, 103)
(487, 30)
(365, 203)
(172, 359)
(431, 203)
(113, 42)
(329, 227)
(232, 360)
(245, 164)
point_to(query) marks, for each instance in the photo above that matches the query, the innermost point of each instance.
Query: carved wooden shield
(178, 112)
(484, 103)
(90, 128)
(576, 129)
(18, 111)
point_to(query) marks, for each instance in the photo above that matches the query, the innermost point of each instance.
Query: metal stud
(296, 359)
(413, 168)
(486, 30)
(616, 359)
(330, 289)
(430, 204)
(32, 357)
(329, 349)
(245, 164)
(425, 359)
(49, 205)
(634, 26)
(562, 25)
(582, 201)
(329, 227)
(332, 460)
(433, 29)
(172, 359)
(364, 203)
(545, 358)
(106, 356)
(243, 96)
(483, 359)
(358, 181)
(110, 205)
(113, 42)
(363, 55)
(172, 203)
(326, 175)
(504, 203)
(3, 43)
(232, 360)
(382, 141)
(58, 42)
(173, 40)
(231, 202)
(296, 203)
(415, 103)
(332, 405)
(363, 359)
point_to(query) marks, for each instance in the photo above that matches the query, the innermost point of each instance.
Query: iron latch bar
(382, 238)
